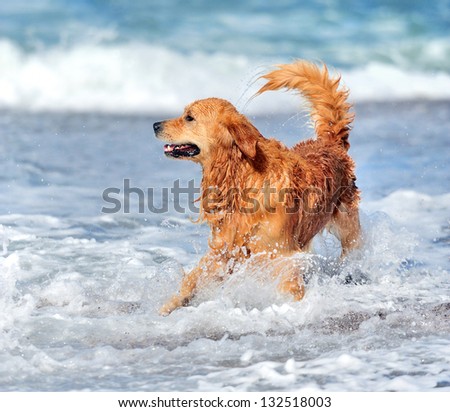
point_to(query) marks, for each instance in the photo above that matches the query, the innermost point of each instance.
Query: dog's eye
(189, 118)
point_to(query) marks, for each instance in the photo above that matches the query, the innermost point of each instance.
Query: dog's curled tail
(329, 106)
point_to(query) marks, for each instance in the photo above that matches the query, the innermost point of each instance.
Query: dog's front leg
(209, 267)
(292, 283)
(287, 270)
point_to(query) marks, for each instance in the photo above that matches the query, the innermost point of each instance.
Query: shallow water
(80, 289)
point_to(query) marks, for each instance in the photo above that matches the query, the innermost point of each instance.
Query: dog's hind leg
(346, 226)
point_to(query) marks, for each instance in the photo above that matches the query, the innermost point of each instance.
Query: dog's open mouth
(181, 150)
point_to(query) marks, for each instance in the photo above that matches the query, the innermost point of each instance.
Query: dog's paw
(165, 311)
(171, 305)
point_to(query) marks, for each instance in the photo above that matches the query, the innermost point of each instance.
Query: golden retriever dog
(260, 198)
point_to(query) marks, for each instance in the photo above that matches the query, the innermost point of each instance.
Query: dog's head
(205, 127)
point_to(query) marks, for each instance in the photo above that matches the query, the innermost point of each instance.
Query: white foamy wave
(379, 82)
(119, 78)
(141, 78)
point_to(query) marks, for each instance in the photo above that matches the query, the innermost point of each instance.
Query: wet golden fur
(261, 198)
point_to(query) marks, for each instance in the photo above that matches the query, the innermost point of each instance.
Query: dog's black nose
(157, 126)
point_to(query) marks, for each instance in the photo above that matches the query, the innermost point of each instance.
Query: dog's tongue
(181, 150)
(171, 147)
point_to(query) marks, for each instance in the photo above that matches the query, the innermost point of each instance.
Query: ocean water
(154, 56)
(82, 83)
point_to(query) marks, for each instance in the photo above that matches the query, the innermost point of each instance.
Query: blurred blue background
(120, 55)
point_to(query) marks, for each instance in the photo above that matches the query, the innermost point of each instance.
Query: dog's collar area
(181, 150)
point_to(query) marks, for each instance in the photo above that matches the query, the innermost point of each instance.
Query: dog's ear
(245, 136)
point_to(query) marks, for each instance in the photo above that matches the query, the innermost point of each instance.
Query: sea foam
(143, 78)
